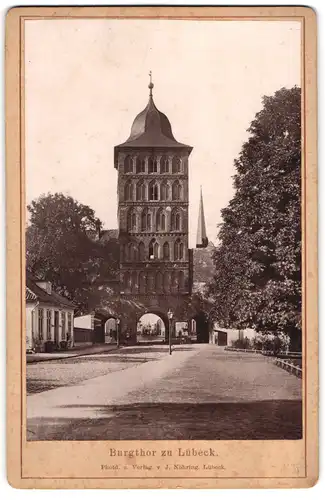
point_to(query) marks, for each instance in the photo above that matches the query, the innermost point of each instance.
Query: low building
(49, 317)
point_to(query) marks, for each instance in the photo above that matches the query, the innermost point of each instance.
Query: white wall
(34, 327)
(86, 321)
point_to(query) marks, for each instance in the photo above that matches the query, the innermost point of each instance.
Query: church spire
(201, 235)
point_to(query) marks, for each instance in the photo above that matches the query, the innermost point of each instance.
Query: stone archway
(110, 330)
(152, 327)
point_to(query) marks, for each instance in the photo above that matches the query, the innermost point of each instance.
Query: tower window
(141, 251)
(132, 252)
(134, 282)
(174, 281)
(164, 165)
(151, 282)
(153, 250)
(146, 221)
(132, 221)
(161, 221)
(128, 164)
(178, 250)
(128, 191)
(140, 165)
(164, 191)
(176, 165)
(166, 251)
(176, 221)
(141, 191)
(142, 283)
(181, 280)
(166, 282)
(153, 191)
(152, 165)
(176, 191)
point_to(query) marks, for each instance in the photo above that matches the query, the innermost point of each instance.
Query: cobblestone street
(200, 392)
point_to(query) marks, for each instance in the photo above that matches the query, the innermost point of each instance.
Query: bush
(242, 343)
(271, 342)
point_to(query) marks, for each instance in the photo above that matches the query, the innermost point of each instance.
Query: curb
(57, 358)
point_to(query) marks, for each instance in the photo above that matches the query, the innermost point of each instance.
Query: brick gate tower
(155, 263)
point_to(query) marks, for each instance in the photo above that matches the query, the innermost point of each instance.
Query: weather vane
(150, 84)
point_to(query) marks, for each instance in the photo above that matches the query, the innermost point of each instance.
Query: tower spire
(201, 235)
(151, 85)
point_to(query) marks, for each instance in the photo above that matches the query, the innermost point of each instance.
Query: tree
(62, 246)
(257, 279)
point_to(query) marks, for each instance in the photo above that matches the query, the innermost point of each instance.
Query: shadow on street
(262, 420)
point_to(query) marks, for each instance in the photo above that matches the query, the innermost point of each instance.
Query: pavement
(71, 353)
(200, 392)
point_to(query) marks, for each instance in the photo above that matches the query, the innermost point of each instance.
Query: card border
(15, 221)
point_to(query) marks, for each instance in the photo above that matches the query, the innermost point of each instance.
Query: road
(200, 392)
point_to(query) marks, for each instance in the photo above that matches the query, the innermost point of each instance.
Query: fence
(289, 367)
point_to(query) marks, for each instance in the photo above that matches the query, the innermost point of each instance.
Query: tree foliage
(62, 246)
(257, 280)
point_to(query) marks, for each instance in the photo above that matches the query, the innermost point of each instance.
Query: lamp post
(118, 333)
(170, 315)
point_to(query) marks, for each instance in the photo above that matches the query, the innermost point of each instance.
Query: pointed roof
(152, 128)
(201, 235)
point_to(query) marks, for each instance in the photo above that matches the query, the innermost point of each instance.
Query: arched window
(164, 165)
(127, 282)
(134, 282)
(166, 251)
(128, 164)
(181, 280)
(176, 221)
(151, 282)
(153, 191)
(153, 250)
(159, 282)
(164, 191)
(132, 220)
(174, 281)
(128, 191)
(178, 250)
(140, 165)
(142, 249)
(176, 165)
(142, 283)
(146, 221)
(152, 165)
(132, 252)
(166, 282)
(141, 191)
(176, 191)
(161, 221)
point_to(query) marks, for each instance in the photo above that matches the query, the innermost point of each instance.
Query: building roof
(30, 296)
(151, 128)
(35, 292)
(108, 234)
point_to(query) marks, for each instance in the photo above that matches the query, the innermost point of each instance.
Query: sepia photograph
(163, 230)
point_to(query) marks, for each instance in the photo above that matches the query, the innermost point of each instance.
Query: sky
(86, 80)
